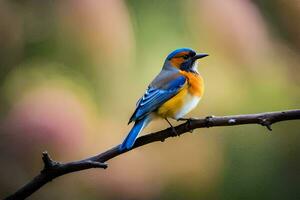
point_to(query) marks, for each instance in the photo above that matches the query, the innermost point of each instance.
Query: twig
(53, 169)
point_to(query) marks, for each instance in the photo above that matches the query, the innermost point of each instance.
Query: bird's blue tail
(134, 132)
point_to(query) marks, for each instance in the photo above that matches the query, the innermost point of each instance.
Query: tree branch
(53, 169)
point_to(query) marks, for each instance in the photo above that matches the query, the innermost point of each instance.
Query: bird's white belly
(190, 103)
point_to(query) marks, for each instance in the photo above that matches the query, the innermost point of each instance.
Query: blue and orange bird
(174, 92)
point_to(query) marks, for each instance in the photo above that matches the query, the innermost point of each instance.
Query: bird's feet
(175, 133)
(188, 122)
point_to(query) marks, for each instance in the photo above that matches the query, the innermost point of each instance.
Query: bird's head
(184, 59)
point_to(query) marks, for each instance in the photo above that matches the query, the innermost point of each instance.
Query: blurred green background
(72, 71)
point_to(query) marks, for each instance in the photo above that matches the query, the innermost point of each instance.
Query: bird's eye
(185, 57)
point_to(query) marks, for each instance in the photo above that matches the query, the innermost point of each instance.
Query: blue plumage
(132, 135)
(173, 53)
(156, 96)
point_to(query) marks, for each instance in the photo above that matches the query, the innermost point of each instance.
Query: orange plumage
(186, 99)
(195, 82)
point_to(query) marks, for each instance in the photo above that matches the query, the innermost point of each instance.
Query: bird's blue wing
(155, 96)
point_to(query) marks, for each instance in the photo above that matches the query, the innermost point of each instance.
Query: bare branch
(53, 169)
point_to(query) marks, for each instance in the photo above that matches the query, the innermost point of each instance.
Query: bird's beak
(198, 56)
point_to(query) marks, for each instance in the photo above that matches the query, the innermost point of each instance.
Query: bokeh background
(71, 72)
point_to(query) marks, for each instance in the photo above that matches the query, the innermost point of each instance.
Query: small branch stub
(266, 122)
(48, 162)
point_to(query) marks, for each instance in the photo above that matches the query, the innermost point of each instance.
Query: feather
(132, 135)
(156, 96)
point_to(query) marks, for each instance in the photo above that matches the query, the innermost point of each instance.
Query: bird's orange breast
(195, 83)
(186, 99)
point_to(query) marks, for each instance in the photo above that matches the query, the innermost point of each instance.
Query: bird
(173, 93)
